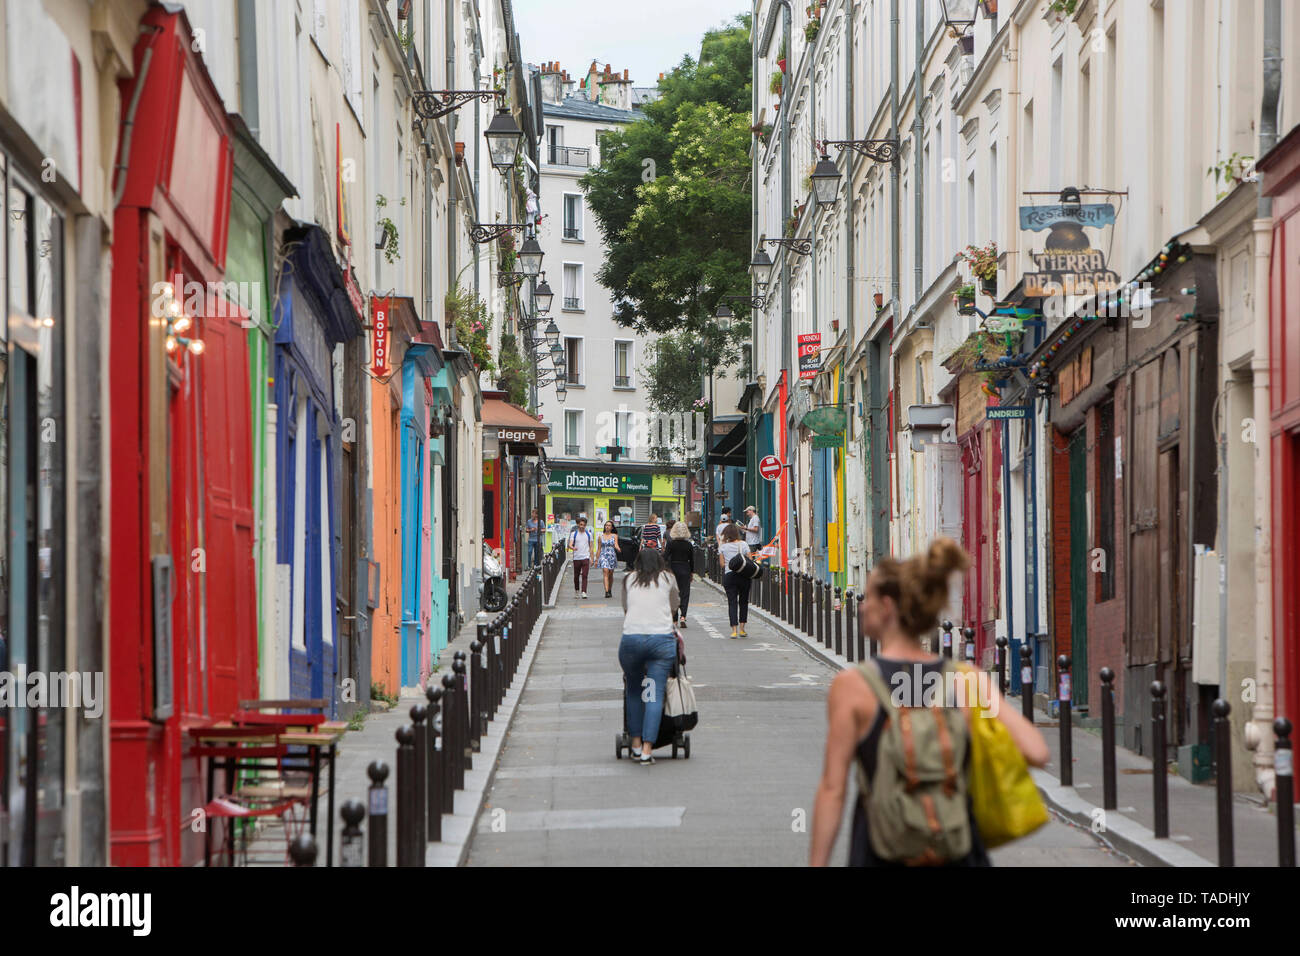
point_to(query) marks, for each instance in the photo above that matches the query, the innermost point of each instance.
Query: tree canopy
(672, 198)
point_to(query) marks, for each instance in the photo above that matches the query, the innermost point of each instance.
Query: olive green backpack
(916, 803)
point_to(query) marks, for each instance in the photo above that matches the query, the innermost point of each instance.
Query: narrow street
(744, 798)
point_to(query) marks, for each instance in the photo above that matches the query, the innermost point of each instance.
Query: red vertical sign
(379, 309)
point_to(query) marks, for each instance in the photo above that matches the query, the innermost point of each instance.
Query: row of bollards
(437, 747)
(1221, 745)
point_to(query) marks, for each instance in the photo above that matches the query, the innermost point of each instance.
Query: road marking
(708, 626)
(623, 818)
(615, 769)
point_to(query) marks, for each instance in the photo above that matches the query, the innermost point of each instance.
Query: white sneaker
(584, 595)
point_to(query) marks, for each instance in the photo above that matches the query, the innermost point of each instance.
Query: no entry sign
(770, 467)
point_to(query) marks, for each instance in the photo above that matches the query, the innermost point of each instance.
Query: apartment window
(573, 358)
(623, 430)
(1027, 145)
(351, 71)
(1085, 123)
(573, 286)
(573, 431)
(993, 192)
(573, 216)
(1058, 123)
(622, 364)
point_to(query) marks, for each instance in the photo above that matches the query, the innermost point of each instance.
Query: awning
(729, 447)
(518, 432)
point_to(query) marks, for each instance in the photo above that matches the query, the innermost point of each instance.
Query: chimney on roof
(625, 76)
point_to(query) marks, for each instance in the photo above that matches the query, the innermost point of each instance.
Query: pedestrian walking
(652, 533)
(648, 649)
(534, 529)
(753, 529)
(902, 603)
(680, 555)
(725, 520)
(581, 543)
(610, 551)
(735, 584)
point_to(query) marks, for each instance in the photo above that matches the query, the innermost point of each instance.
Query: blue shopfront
(313, 315)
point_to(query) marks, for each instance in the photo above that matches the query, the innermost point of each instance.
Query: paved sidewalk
(560, 797)
(1193, 834)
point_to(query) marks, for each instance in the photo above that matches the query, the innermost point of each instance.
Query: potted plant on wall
(964, 298)
(983, 262)
(776, 84)
(811, 29)
(780, 57)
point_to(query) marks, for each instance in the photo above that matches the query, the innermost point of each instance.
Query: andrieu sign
(599, 482)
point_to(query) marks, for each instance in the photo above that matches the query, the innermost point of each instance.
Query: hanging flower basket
(964, 299)
(810, 31)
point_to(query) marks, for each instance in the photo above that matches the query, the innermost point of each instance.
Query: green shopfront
(624, 496)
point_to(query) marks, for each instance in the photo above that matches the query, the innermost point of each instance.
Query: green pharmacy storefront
(626, 497)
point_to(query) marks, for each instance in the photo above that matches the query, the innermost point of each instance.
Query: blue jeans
(642, 656)
(534, 553)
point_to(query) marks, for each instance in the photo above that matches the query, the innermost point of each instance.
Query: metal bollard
(1284, 775)
(377, 797)
(828, 594)
(477, 689)
(946, 640)
(819, 598)
(433, 772)
(1160, 768)
(421, 773)
(1109, 800)
(1027, 681)
(839, 622)
(352, 841)
(459, 668)
(855, 649)
(1001, 653)
(405, 794)
(1223, 777)
(968, 648)
(1064, 696)
(453, 765)
(807, 623)
(303, 850)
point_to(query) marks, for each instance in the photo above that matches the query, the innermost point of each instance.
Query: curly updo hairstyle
(919, 585)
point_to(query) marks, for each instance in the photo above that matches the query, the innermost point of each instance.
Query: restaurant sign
(1068, 264)
(599, 482)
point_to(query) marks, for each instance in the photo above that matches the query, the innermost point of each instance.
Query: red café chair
(262, 789)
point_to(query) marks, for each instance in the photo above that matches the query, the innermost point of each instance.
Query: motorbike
(493, 596)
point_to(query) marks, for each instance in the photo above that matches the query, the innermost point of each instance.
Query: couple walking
(583, 543)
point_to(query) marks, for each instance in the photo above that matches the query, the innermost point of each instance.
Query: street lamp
(959, 15)
(530, 257)
(543, 296)
(761, 266)
(826, 181)
(505, 139)
(552, 333)
(724, 315)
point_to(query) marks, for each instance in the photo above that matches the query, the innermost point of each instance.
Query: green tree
(672, 195)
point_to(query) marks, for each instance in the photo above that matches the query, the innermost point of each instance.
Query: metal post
(1001, 652)
(855, 649)
(453, 763)
(839, 622)
(405, 794)
(968, 633)
(1064, 695)
(377, 797)
(1027, 681)
(1284, 774)
(1109, 800)
(818, 597)
(1160, 768)
(352, 841)
(1220, 710)
(421, 774)
(827, 609)
(433, 772)
(303, 850)
(946, 640)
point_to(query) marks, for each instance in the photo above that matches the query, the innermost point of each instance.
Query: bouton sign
(1068, 264)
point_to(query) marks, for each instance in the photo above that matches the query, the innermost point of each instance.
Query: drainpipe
(895, 264)
(452, 183)
(918, 179)
(1259, 732)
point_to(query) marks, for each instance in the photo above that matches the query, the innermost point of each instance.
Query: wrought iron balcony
(568, 156)
(575, 304)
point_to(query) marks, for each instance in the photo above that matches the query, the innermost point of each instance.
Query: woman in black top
(901, 602)
(680, 555)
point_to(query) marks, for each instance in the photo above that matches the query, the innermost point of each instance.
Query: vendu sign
(380, 312)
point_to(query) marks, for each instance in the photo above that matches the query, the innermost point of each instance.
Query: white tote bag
(679, 702)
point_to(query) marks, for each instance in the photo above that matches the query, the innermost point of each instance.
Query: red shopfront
(182, 593)
(1281, 173)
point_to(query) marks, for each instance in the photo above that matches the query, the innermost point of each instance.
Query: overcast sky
(646, 37)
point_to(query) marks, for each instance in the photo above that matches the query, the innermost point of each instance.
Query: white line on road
(623, 818)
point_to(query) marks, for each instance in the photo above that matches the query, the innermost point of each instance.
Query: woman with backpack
(648, 648)
(735, 584)
(913, 765)
(581, 542)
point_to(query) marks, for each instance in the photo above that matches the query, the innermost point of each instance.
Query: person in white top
(580, 543)
(648, 649)
(753, 529)
(724, 521)
(736, 586)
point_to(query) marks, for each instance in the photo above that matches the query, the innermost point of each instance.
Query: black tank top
(860, 852)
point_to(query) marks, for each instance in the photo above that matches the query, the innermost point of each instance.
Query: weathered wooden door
(1170, 596)
(1079, 565)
